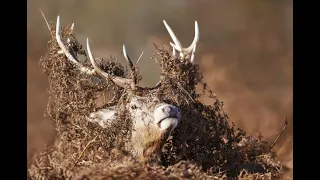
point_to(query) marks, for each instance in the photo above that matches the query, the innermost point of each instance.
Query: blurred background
(245, 53)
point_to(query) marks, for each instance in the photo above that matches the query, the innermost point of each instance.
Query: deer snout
(167, 117)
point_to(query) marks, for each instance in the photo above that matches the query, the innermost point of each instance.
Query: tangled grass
(203, 146)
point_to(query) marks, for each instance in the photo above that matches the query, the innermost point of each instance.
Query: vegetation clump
(203, 146)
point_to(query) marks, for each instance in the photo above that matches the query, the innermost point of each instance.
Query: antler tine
(133, 72)
(133, 76)
(177, 44)
(173, 49)
(192, 53)
(66, 52)
(72, 27)
(122, 82)
(183, 52)
(195, 39)
(127, 57)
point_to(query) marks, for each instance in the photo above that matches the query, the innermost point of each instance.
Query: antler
(120, 81)
(184, 52)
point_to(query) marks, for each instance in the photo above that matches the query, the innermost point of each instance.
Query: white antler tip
(58, 20)
(124, 50)
(196, 25)
(88, 48)
(173, 37)
(166, 24)
(72, 26)
(58, 26)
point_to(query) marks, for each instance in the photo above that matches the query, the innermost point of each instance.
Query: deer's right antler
(120, 81)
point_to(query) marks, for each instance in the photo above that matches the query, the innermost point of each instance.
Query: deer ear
(103, 116)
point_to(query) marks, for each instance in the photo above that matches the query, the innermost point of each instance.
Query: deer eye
(133, 107)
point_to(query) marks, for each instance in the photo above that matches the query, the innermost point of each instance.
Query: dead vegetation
(203, 146)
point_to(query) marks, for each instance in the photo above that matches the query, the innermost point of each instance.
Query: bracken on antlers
(153, 121)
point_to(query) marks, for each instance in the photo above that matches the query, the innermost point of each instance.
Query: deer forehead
(141, 110)
(142, 104)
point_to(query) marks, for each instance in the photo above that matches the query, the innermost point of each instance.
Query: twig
(283, 128)
(140, 57)
(82, 152)
(185, 91)
(154, 44)
(45, 19)
(266, 139)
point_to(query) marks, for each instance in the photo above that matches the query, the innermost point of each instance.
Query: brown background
(245, 52)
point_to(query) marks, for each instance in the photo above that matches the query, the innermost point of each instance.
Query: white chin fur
(168, 123)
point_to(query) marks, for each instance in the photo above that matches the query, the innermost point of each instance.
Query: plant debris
(203, 146)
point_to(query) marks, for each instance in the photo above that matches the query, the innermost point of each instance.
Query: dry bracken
(203, 145)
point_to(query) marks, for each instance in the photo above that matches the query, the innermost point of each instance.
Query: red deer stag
(152, 120)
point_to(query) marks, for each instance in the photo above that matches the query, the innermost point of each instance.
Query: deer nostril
(166, 109)
(171, 111)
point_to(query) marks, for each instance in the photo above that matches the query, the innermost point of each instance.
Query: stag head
(152, 120)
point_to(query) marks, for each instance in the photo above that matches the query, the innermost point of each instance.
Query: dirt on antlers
(203, 146)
